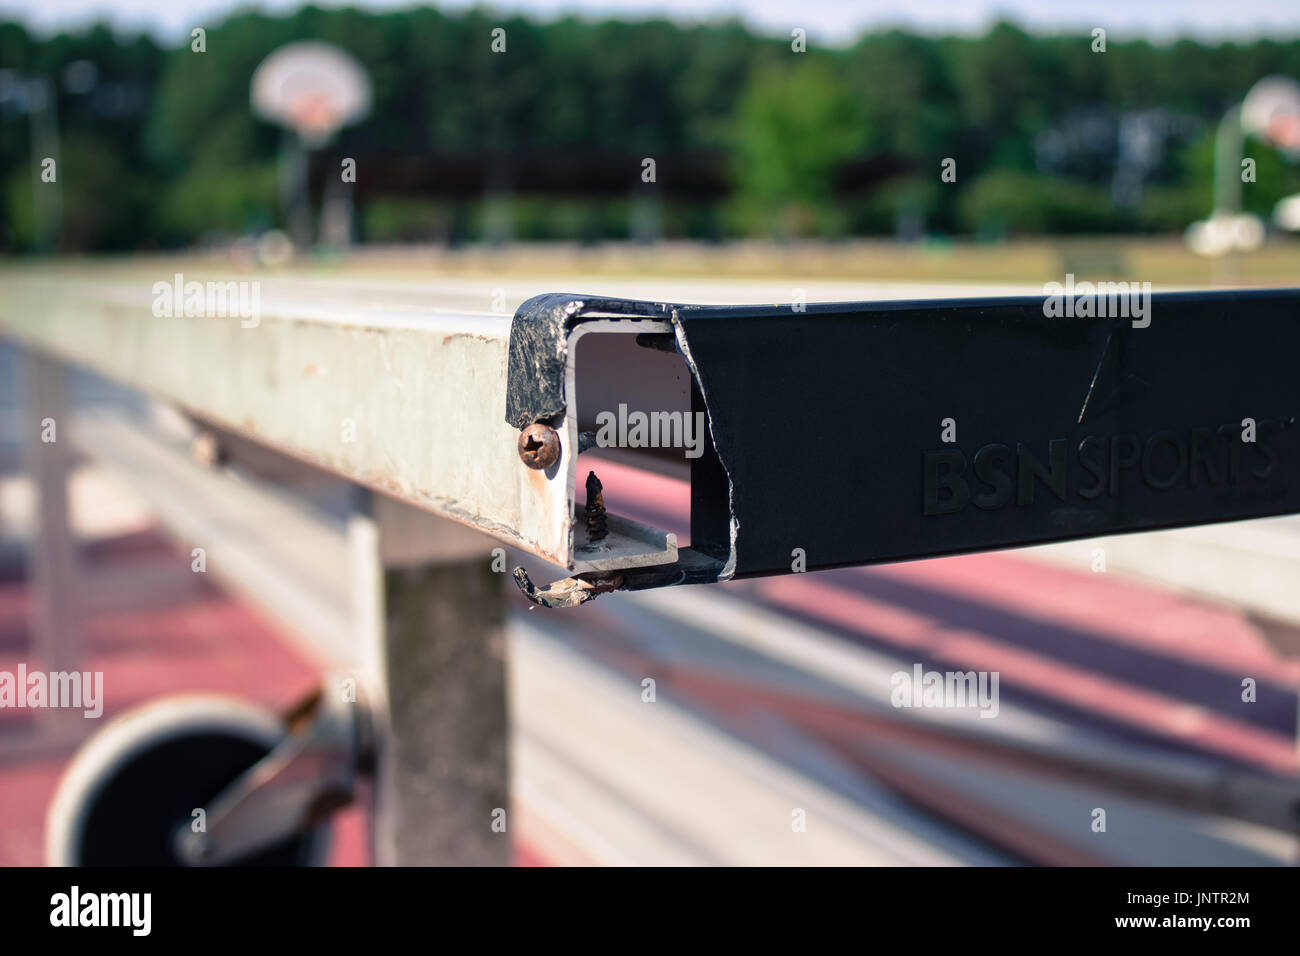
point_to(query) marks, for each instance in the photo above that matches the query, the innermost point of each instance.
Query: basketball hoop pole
(311, 90)
(293, 187)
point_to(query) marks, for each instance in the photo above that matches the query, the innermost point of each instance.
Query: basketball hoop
(313, 88)
(1272, 110)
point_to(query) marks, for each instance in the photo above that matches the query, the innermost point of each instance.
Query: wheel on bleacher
(136, 781)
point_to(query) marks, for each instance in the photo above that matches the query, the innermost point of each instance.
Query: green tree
(796, 124)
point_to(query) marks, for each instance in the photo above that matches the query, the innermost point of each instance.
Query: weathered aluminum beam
(826, 423)
(401, 389)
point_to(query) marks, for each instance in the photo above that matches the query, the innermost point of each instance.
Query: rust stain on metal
(382, 481)
(596, 520)
(538, 481)
(446, 339)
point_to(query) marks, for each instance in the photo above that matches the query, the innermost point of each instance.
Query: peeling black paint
(539, 349)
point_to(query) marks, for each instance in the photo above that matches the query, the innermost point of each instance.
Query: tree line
(1004, 133)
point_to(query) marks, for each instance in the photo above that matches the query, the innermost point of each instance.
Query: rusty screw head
(539, 446)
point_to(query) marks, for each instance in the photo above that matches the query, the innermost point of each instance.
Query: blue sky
(833, 22)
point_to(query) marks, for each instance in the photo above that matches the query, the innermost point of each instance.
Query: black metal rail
(861, 433)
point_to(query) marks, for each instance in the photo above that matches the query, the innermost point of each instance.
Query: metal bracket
(308, 776)
(539, 382)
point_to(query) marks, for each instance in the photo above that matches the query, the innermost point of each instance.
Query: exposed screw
(596, 528)
(539, 446)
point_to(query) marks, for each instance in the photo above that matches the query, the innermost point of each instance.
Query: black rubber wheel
(139, 780)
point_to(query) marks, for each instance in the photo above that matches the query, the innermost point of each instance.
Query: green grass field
(1159, 261)
(1162, 261)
